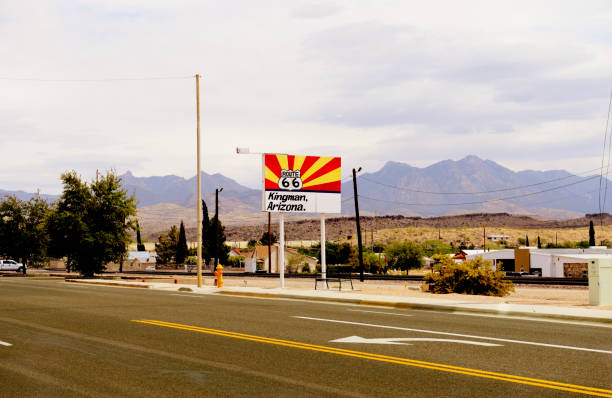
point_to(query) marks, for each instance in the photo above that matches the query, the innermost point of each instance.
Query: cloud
(522, 83)
(316, 10)
(387, 75)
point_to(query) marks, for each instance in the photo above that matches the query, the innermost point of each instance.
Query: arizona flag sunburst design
(317, 173)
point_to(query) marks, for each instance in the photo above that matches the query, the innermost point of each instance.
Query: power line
(480, 192)
(482, 201)
(110, 79)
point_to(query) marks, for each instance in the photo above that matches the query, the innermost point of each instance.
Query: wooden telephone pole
(199, 196)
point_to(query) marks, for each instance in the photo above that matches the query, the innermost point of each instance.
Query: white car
(11, 265)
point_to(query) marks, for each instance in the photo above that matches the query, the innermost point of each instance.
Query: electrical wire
(480, 192)
(482, 201)
(112, 79)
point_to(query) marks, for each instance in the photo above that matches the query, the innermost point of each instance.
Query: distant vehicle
(11, 265)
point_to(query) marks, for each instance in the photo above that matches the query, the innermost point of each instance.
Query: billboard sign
(301, 184)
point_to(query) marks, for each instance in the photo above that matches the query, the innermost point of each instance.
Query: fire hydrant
(219, 275)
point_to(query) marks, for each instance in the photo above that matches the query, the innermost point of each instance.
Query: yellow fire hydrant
(219, 275)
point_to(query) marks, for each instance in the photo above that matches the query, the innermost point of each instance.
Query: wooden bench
(335, 278)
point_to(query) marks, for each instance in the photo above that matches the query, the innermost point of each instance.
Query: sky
(526, 84)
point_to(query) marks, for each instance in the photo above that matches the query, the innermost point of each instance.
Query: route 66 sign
(290, 180)
(301, 184)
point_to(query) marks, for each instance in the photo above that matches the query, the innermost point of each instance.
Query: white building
(555, 263)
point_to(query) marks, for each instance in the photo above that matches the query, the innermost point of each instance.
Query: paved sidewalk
(488, 305)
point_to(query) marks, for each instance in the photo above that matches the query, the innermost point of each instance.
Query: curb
(106, 283)
(420, 306)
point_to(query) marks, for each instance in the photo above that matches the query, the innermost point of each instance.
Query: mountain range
(447, 187)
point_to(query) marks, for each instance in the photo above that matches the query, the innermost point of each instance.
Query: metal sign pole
(281, 259)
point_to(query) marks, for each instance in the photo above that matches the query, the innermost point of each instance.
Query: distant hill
(178, 190)
(454, 187)
(445, 188)
(22, 195)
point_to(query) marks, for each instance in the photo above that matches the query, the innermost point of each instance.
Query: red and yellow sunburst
(318, 173)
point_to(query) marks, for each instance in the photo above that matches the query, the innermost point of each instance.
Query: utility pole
(269, 243)
(358, 226)
(199, 196)
(484, 238)
(217, 190)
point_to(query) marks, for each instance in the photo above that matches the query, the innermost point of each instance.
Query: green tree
(23, 234)
(91, 223)
(166, 246)
(139, 246)
(264, 238)
(526, 240)
(206, 233)
(431, 247)
(335, 253)
(591, 234)
(181, 246)
(220, 239)
(539, 242)
(404, 255)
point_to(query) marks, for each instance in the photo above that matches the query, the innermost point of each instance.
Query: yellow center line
(390, 359)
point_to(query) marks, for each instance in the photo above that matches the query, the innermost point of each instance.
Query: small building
(234, 253)
(463, 254)
(140, 261)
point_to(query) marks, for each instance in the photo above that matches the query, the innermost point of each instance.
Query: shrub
(468, 277)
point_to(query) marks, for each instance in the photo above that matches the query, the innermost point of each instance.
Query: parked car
(11, 265)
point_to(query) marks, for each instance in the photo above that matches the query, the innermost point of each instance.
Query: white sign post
(323, 259)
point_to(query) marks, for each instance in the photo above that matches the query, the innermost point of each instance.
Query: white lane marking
(456, 334)
(380, 312)
(4, 343)
(399, 340)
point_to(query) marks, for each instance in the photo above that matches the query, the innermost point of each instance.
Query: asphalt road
(60, 340)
